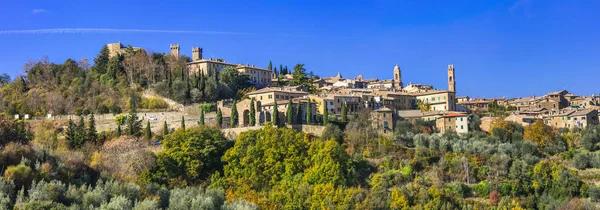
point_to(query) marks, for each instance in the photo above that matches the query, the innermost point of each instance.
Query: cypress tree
(290, 113)
(91, 132)
(134, 126)
(286, 70)
(202, 85)
(80, 131)
(270, 67)
(183, 122)
(148, 132)
(252, 113)
(118, 130)
(275, 115)
(325, 114)
(233, 120)
(71, 135)
(280, 67)
(165, 129)
(201, 121)
(219, 117)
(344, 112)
(298, 114)
(308, 113)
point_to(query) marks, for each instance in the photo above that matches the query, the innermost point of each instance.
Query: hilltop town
(387, 100)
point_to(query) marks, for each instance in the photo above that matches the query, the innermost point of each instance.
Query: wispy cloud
(522, 5)
(114, 30)
(37, 11)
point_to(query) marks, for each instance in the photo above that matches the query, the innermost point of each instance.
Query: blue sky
(499, 48)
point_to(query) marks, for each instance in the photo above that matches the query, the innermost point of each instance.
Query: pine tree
(91, 132)
(80, 131)
(201, 121)
(134, 126)
(183, 122)
(219, 118)
(71, 134)
(298, 114)
(308, 113)
(344, 112)
(233, 119)
(252, 113)
(101, 61)
(165, 129)
(275, 115)
(325, 114)
(148, 132)
(290, 113)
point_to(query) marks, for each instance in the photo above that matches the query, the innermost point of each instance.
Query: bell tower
(175, 50)
(397, 77)
(451, 78)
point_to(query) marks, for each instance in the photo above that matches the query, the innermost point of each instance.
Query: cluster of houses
(387, 101)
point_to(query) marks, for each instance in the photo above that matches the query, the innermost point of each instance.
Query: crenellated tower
(451, 78)
(196, 53)
(175, 50)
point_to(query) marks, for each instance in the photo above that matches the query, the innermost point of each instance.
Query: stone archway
(261, 117)
(246, 118)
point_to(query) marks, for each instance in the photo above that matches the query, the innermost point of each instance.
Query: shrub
(117, 203)
(581, 161)
(482, 189)
(21, 174)
(103, 109)
(207, 107)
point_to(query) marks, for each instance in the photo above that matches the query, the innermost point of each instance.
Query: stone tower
(451, 78)
(397, 77)
(359, 77)
(196, 53)
(175, 50)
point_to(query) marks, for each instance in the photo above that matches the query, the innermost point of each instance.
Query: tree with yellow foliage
(398, 200)
(539, 133)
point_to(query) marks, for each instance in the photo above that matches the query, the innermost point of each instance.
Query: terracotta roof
(267, 90)
(456, 114)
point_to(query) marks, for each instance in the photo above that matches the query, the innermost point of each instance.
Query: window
(383, 114)
(444, 97)
(277, 96)
(439, 98)
(260, 97)
(385, 124)
(461, 127)
(270, 96)
(461, 119)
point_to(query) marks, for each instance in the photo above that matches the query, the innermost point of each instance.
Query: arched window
(385, 124)
(450, 79)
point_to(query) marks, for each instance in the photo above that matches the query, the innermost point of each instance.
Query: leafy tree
(234, 118)
(189, 155)
(590, 137)
(475, 124)
(332, 132)
(290, 113)
(423, 106)
(91, 132)
(201, 121)
(344, 112)
(539, 133)
(233, 79)
(252, 113)
(299, 75)
(219, 118)
(275, 115)
(148, 133)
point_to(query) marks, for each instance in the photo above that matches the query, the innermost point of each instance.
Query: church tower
(175, 50)
(451, 78)
(397, 77)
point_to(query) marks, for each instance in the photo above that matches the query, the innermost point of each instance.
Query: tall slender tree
(344, 112)
(91, 132)
(252, 113)
(233, 120)
(275, 115)
(325, 114)
(281, 68)
(298, 116)
(119, 130)
(219, 118)
(308, 113)
(165, 129)
(183, 122)
(289, 113)
(201, 121)
(134, 126)
(148, 133)
(71, 135)
(270, 67)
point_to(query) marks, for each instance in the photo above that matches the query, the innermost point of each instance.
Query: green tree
(298, 114)
(270, 67)
(219, 118)
(134, 126)
(148, 132)
(183, 122)
(325, 114)
(300, 77)
(234, 118)
(91, 132)
(101, 61)
(118, 130)
(344, 112)
(71, 135)
(201, 121)
(275, 115)
(289, 113)
(80, 132)
(253, 112)
(165, 129)
(308, 113)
